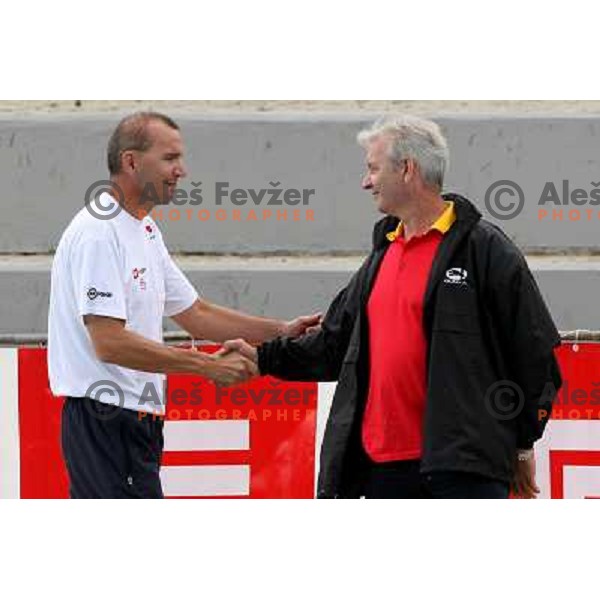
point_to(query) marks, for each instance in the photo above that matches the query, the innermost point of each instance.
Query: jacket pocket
(454, 322)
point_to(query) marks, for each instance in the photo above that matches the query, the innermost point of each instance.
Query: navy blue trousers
(111, 452)
(403, 479)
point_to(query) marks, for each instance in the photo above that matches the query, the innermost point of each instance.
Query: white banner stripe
(576, 434)
(581, 481)
(325, 393)
(207, 435)
(222, 480)
(9, 424)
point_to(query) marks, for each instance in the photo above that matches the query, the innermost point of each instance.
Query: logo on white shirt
(456, 276)
(150, 232)
(93, 293)
(138, 276)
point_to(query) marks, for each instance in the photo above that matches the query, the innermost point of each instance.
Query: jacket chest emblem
(456, 276)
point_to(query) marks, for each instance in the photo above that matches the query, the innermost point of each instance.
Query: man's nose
(181, 170)
(366, 183)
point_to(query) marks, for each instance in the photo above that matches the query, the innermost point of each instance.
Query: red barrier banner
(258, 440)
(568, 455)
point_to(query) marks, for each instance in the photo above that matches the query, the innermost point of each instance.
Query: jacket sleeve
(317, 356)
(528, 337)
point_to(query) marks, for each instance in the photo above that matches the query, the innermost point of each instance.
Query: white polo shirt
(115, 268)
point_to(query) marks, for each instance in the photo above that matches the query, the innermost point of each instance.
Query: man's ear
(410, 170)
(128, 161)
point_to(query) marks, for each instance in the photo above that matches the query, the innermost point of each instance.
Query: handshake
(237, 361)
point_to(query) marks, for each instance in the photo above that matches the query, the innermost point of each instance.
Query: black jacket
(492, 374)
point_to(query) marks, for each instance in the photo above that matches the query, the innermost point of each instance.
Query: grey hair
(415, 138)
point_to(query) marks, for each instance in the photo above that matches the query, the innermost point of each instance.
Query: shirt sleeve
(96, 274)
(180, 294)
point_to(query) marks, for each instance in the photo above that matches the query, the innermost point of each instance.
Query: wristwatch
(525, 454)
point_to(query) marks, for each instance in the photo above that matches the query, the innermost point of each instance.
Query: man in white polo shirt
(112, 282)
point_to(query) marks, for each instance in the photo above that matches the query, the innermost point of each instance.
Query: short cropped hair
(132, 134)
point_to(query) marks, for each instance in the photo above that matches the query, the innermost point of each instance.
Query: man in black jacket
(441, 343)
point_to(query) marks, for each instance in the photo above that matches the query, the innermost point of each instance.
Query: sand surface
(532, 107)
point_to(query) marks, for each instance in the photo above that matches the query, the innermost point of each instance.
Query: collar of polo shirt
(442, 224)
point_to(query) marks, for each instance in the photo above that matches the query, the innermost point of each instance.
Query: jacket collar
(466, 216)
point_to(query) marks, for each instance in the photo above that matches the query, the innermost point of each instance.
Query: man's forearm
(218, 324)
(117, 345)
(133, 351)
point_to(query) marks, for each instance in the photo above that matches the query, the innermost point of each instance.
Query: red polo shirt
(393, 420)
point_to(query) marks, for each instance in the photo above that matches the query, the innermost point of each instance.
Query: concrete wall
(46, 166)
(287, 288)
